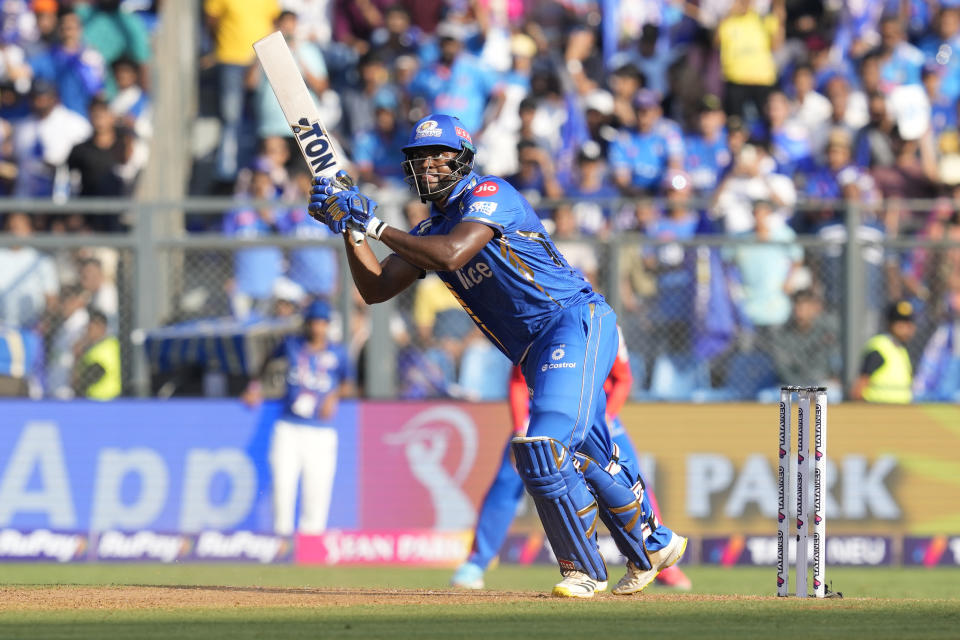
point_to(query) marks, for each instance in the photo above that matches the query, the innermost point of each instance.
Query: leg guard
(624, 510)
(567, 509)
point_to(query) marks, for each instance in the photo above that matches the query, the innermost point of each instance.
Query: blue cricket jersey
(312, 376)
(517, 282)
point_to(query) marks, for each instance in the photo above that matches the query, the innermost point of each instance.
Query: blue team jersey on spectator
(644, 154)
(312, 376)
(255, 269)
(21, 352)
(371, 147)
(943, 114)
(515, 285)
(675, 282)
(461, 90)
(79, 75)
(704, 160)
(315, 268)
(822, 183)
(903, 67)
(947, 54)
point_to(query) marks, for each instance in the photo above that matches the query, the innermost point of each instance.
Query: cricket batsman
(488, 246)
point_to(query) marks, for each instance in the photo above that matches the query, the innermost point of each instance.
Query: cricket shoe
(636, 579)
(576, 584)
(467, 576)
(674, 578)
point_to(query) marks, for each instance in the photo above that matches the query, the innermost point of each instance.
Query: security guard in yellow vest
(886, 374)
(97, 373)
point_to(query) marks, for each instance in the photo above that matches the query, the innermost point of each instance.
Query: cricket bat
(298, 107)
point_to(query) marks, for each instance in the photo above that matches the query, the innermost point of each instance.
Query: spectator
(315, 269)
(314, 20)
(396, 37)
(598, 110)
(943, 108)
(591, 184)
(354, 21)
(639, 158)
(484, 370)
(874, 143)
(625, 82)
(255, 269)
(768, 269)
(131, 104)
(110, 160)
(71, 328)
(15, 69)
(812, 108)
(235, 24)
(288, 298)
(672, 264)
(886, 374)
(751, 178)
(848, 112)
(942, 47)
(43, 141)
(938, 375)
(579, 254)
(97, 373)
(826, 181)
(806, 350)
(76, 68)
(457, 84)
(101, 291)
(375, 152)
(788, 138)
(497, 150)
(116, 34)
(430, 298)
(28, 279)
(707, 152)
(359, 102)
(900, 61)
(747, 42)
(21, 356)
(536, 178)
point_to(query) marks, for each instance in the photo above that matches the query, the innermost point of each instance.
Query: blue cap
(439, 130)
(317, 310)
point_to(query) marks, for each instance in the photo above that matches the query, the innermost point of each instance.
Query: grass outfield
(235, 602)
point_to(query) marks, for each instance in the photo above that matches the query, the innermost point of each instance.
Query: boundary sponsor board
(860, 551)
(932, 551)
(443, 548)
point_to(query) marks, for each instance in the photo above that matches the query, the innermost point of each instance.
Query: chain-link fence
(703, 317)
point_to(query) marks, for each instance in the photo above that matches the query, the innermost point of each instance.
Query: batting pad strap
(621, 509)
(567, 509)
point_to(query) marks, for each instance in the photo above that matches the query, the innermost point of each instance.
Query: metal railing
(157, 263)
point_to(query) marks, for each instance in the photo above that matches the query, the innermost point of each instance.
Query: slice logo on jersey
(471, 276)
(558, 353)
(429, 129)
(487, 188)
(463, 134)
(484, 208)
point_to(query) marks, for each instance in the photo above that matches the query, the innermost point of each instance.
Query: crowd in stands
(74, 121)
(661, 120)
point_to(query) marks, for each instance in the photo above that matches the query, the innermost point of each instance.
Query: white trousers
(307, 454)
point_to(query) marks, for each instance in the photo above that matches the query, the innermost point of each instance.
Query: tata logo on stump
(319, 151)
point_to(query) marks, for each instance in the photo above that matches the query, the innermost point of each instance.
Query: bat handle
(356, 236)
